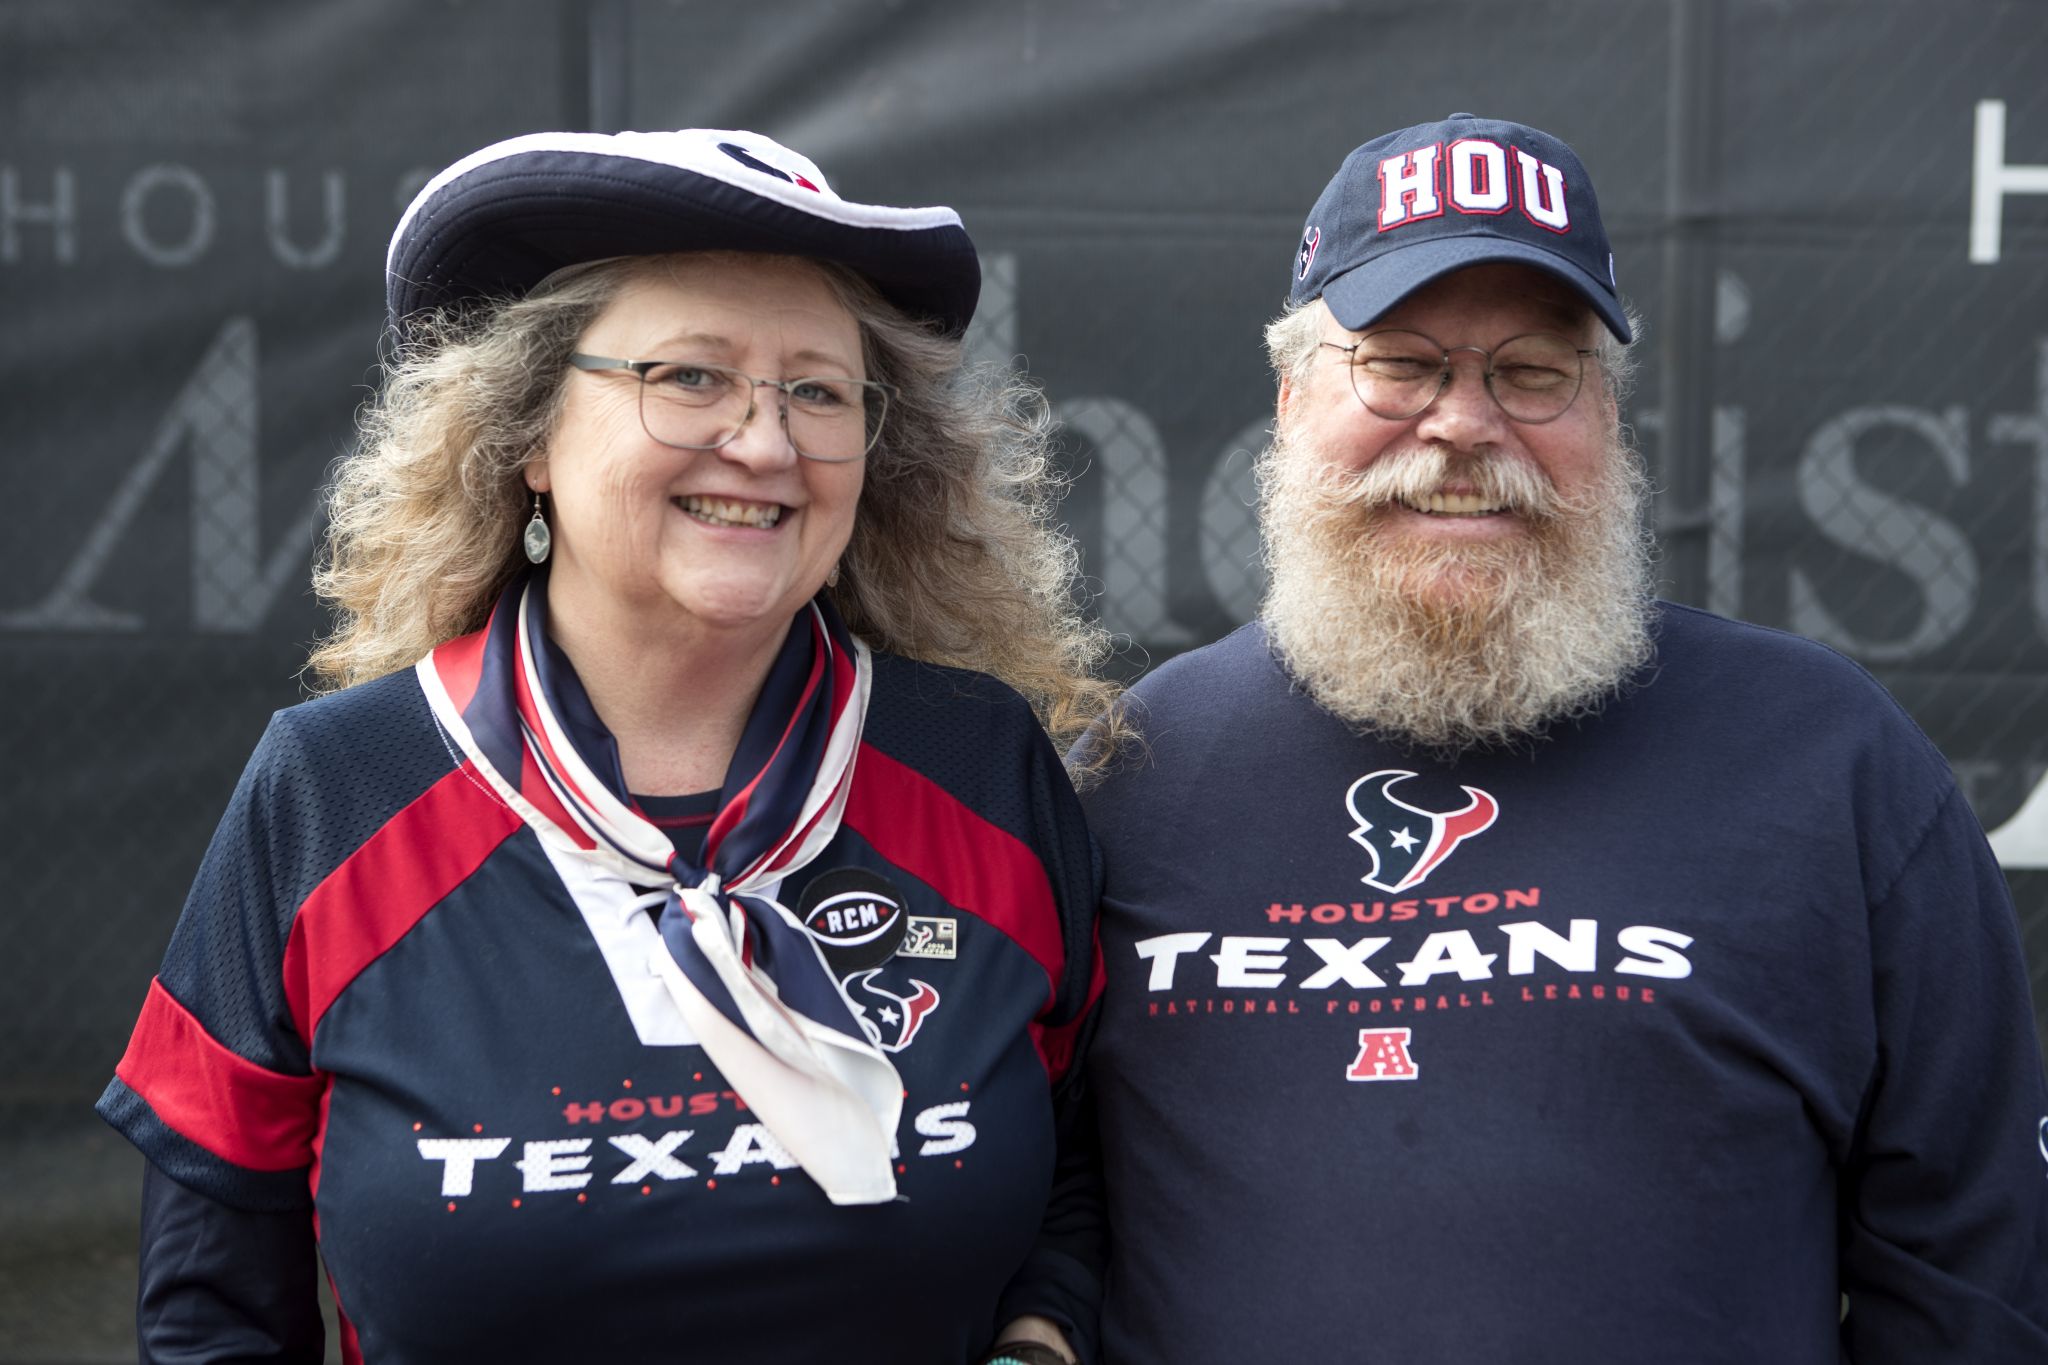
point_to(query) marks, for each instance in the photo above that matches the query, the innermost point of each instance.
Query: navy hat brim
(1360, 297)
(502, 226)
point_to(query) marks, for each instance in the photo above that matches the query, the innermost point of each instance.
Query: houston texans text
(638, 1162)
(1187, 971)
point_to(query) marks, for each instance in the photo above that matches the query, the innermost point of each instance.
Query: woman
(668, 942)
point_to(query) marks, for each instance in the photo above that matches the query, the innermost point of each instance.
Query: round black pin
(856, 916)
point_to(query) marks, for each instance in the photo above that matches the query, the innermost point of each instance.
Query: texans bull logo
(1306, 256)
(890, 1019)
(1407, 842)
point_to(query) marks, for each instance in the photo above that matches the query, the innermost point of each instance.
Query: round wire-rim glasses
(825, 416)
(1397, 374)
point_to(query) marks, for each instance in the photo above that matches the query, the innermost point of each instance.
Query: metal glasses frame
(1444, 375)
(639, 369)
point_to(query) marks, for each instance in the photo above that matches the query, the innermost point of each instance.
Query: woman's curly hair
(955, 558)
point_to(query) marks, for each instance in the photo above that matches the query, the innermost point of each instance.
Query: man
(1503, 965)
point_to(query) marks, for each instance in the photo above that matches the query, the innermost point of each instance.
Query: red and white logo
(891, 1020)
(1479, 176)
(1406, 842)
(1542, 196)
(1383, 1056)
(747, 158)
(1409, 186)
(1472, 176)
(1306, 257)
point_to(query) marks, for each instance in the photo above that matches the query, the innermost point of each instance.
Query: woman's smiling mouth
(730, 511)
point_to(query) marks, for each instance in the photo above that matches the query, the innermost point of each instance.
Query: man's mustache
(1412, 476)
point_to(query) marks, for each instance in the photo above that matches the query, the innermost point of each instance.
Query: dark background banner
(1834, 216)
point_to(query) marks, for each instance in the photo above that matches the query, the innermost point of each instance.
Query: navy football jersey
(386, 1006)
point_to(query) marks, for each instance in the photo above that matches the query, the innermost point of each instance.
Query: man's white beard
(1454, 644)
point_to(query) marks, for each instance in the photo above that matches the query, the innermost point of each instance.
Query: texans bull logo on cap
(1407, 843)
(1310, 240)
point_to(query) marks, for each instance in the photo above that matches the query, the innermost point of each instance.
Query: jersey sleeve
(216, 1087)
(1944, 1198)
(1073, 866)
(220, 1283)
(1062, 1278)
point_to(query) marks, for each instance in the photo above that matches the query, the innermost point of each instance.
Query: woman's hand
(1036, 1331)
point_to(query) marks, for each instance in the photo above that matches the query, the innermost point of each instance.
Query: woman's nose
(762, 441)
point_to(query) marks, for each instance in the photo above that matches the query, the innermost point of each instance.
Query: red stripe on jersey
(678, 821)
(1055, 1043)
(351, 1345)
(351, 1348)
(459, 664)
(243, 1113)
(387, 886)
(319, 1155)
(990, 873)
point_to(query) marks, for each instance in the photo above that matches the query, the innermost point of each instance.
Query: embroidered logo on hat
(1310, 240)
(745, 158)
(510, 217)
(1410, 185)
(1414, 205)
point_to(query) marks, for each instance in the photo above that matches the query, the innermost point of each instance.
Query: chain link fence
(1844, 398)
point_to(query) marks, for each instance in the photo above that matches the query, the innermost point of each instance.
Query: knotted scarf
(741, 968)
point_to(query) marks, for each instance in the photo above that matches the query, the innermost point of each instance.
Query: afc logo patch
(1382, 1056)
(1407, 843)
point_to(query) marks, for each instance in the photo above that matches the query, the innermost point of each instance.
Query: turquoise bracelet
(1025, 1353)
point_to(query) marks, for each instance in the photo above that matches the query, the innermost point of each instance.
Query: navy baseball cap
(502, 220)
(1412, 206)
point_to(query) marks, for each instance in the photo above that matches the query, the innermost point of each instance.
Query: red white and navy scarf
(743, 971)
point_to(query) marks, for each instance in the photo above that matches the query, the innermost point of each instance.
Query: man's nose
(1464, 415)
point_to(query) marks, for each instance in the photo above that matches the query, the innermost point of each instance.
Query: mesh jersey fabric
(383, 1008)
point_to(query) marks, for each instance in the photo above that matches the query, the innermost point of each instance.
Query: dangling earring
(832, 578)
(537, 540)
